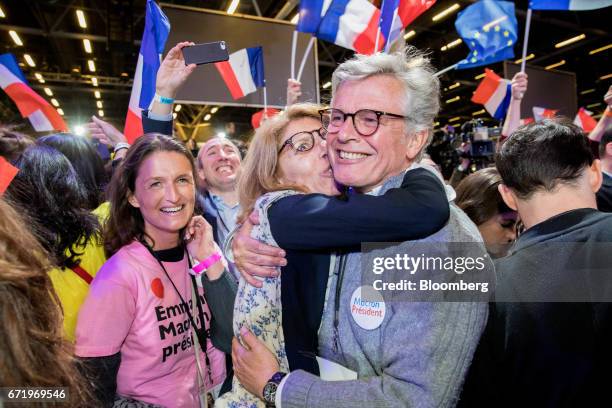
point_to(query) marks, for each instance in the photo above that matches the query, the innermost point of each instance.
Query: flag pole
(293, 47)
(265, 102)
(445, 70)
(303, 63)
(526, 40)
(377, 39)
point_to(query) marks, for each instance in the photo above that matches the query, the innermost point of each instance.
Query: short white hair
(413, 69)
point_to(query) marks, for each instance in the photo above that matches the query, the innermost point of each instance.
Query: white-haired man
(412, 353)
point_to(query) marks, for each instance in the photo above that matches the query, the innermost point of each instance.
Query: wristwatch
(269, 391)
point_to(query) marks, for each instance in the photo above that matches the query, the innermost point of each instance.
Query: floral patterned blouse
(259, 310)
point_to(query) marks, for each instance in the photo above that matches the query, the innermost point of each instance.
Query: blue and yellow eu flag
(489, 29)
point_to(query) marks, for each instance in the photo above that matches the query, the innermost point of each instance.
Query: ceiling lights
(606, 47)
(570, 41)
(87, 46)
(81, 17)
(233, 6)
(527, 58)
(446, 12)
(555, 65)
(15, 37)
(451, 44)
(29, 60)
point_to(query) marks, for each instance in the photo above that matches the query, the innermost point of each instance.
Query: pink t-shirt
(133, 308)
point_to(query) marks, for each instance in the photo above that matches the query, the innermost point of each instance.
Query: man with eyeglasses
(391, 353)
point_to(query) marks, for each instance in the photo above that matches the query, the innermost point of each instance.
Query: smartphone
(205, 53)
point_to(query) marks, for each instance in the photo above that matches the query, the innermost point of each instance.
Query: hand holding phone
(173, 72)
(205, 53)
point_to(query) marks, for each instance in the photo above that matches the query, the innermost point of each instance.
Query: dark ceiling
(51, 35)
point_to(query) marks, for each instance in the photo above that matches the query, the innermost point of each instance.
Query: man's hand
(519, 85)
(173, 72)
(105, 132)
(254, 258)
(254, 364)
(294, 91)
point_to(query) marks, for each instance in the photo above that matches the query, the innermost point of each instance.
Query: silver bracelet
(121, 145)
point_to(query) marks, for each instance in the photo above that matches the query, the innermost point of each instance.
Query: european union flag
(489, 29)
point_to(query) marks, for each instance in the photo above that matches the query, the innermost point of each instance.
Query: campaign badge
(367, 307)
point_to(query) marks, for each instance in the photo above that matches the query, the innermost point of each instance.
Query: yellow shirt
(71, 288)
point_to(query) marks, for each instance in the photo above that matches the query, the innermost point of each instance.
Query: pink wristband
(206, 263)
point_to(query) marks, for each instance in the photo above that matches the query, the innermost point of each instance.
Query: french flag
(42, 116)
(243, 73)
(351, 24)
(575, 5)
(311, 13)
(540, 113)
(584, 120)
(494, 93)
(395, 15)
(157, 28)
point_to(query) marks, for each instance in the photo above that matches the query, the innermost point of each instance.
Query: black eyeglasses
(303, 141)
(365, 121)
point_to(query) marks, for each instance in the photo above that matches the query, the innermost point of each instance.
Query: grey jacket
(417, 357)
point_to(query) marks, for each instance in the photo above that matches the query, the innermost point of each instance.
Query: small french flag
(42, 116)
(351, 24)
(494, 93)
(243, 73)
(540, 113)
(157, 28)
(395, 15)
(575, 5)
(584, 120)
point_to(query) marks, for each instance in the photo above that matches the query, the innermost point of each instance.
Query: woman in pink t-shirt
(136, 328)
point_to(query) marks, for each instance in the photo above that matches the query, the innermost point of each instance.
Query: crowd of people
(160, 279)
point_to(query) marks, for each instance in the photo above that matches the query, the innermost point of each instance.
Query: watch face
(269, 392)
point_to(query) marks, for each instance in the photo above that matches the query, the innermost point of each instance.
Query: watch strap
(269, 391)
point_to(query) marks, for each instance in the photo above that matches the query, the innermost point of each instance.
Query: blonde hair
(261, 163)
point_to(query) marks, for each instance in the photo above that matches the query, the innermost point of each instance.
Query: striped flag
(157, 28)
(31, 105)
(311, 13)
(243, 73)
(351, 24)
(494, 93)
(540, 113)
(395, 15)
(574, 5)
(584, 120)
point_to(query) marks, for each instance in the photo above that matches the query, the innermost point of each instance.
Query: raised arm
(315, 221)
(171, 75)
(606, 118)
(513, 117)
